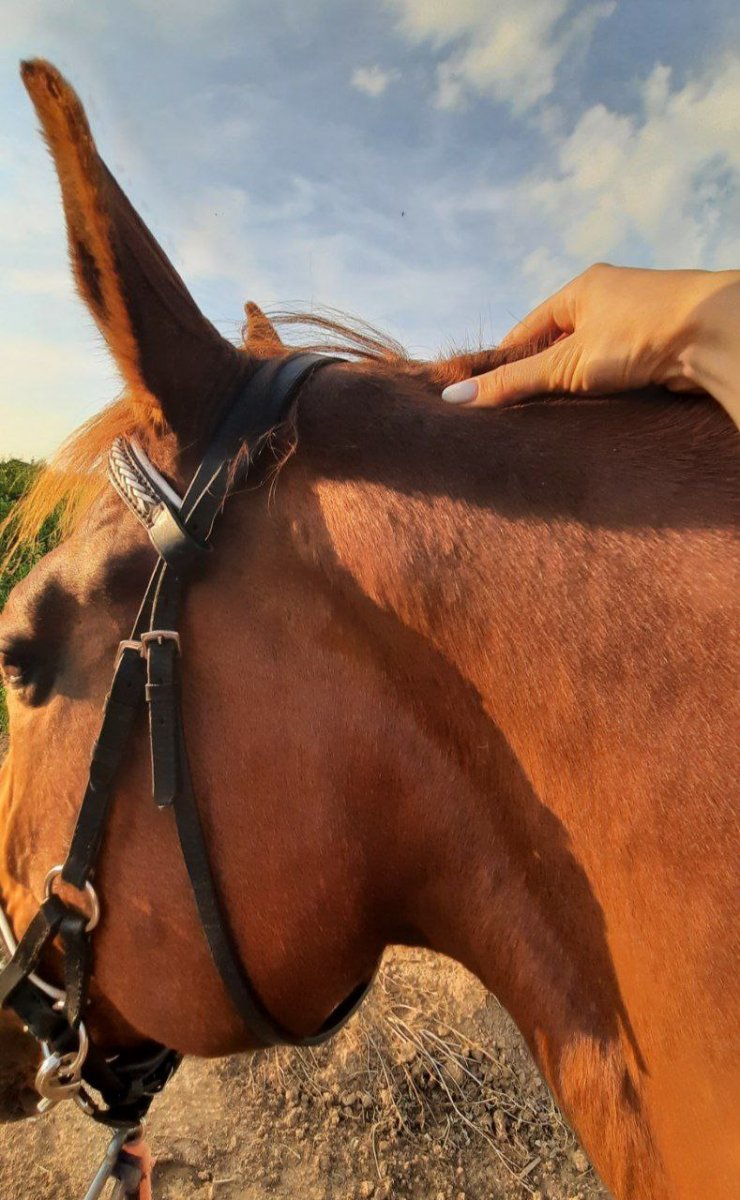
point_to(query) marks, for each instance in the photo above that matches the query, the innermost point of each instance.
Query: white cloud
(667, 176)
(659, 187)
(510, 50)
(373, 81)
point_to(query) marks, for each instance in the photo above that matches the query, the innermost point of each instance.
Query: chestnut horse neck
(549, 589)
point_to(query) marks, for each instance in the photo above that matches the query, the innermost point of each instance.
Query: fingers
(540, 324)
(547, 321)
(531, 376)
(679, 384)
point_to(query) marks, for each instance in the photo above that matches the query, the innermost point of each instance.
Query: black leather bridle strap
(210, 910)
(77, 960)
(119, 714)
(172, 781)
(262, 405)
(218, 934)
(253, 415)
(40, 933)
(158, 510)
(269, 392)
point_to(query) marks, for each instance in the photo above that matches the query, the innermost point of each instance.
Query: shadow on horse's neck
(502, 882)
(639, 461)
(542, 553)
(515, 578)
(528, 567)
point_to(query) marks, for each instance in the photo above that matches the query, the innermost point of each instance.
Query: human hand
(611, 329)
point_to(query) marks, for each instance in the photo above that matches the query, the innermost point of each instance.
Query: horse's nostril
(28, 1101)
(18, 1105)
(19, 1060)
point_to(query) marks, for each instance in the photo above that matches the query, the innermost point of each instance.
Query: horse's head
(284, 768)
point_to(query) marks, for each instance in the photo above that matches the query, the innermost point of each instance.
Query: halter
(147, 670)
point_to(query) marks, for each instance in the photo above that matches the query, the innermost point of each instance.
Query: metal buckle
(60, 1075)
(159, 636)
(127, 644)
(54, 874)
(142, 645)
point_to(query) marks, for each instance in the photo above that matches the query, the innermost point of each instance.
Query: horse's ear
(175, 365)
(260, 333)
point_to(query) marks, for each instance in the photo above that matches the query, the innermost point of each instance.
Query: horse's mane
(66, 486)
(328, 331)
(76, 476)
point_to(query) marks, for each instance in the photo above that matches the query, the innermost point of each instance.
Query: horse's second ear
(176, 366)
(259, 333)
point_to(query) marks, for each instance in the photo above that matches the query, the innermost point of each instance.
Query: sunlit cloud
(510, 51)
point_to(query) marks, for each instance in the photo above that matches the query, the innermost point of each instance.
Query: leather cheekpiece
(172, 541)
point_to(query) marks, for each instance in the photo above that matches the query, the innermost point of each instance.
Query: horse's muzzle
(19, 1061)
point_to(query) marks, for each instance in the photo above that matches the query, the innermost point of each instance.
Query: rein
(147, 671)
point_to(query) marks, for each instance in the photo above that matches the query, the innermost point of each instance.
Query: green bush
(15, 479)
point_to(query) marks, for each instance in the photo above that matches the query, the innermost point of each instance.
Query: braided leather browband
(147, 669)
(138, 482)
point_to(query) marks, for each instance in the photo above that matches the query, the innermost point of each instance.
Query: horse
(454, 678)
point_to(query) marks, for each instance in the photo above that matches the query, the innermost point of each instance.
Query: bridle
(147, 670)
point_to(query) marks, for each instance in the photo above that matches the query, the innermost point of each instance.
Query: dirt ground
(428, 1094)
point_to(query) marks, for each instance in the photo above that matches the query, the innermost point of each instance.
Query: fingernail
(461, 393)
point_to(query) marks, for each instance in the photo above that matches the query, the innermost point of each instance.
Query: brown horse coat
(464, 679)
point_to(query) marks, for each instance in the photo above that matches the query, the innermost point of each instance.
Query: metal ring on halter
(60, 1075)
(71, 1063)
(92, 895)
(77, 1057)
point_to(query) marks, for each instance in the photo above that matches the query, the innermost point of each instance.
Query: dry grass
(408, 1076)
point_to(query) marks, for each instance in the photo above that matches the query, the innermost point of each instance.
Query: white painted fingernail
(461, 393)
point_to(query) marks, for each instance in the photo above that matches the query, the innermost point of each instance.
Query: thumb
(532, 376)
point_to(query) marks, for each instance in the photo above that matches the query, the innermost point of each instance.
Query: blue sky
(273, 146)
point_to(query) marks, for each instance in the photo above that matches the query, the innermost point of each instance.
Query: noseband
(147, 671)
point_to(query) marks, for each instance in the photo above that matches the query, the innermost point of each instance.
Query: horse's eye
(15, 667)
